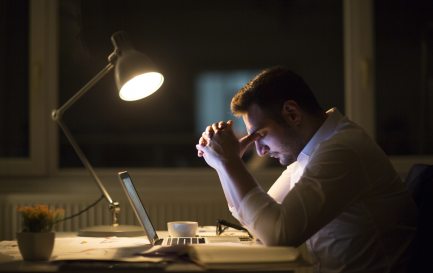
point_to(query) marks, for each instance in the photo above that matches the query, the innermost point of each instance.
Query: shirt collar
(324, 132)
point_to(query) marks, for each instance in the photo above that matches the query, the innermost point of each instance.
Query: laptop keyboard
(184, 240)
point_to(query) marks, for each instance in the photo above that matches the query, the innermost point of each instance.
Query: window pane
(186, 40)
(14, 83)
(404, 76)
(214, 94)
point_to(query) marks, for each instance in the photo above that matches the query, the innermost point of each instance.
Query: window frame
(42, 92)
(359, 81)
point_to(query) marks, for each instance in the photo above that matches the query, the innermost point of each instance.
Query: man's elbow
(283, 241)
(283, 234)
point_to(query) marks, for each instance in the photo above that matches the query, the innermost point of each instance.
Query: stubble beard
(286, 160)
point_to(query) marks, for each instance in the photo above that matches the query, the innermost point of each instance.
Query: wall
(179, 194)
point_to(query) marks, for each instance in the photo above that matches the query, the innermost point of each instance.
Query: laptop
(143, 218)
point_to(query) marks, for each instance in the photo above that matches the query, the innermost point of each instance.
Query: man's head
(279, 106)
(271, 89)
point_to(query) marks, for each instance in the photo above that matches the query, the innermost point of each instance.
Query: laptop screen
(137, 205)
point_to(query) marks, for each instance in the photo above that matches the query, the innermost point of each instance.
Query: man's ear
(291, 112)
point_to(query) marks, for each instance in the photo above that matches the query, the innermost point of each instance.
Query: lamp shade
(135, 75)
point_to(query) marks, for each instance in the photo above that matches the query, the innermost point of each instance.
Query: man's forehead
(253, 118)
(247, 122)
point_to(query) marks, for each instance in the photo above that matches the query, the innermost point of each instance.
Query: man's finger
(205, 138)
(216, 127)
(202, 141)
(209, 131)
(246, 141)
(199, 148)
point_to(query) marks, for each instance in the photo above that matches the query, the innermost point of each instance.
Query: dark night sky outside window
(14, 79)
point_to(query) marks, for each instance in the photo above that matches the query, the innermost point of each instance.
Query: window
(161, 131)
(404, 76)
(14, 79)
(197, 45)
(214, 93)
(28, 85)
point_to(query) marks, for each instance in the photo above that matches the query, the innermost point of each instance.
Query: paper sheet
(88, 248)
(9, 251)
(110, 248)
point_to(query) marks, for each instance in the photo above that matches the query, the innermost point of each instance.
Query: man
(339, 191)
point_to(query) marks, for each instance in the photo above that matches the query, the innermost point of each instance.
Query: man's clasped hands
(218, 144)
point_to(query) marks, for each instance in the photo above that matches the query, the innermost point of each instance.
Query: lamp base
(109, 231)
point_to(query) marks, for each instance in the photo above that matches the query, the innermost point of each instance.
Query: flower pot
(36, 246)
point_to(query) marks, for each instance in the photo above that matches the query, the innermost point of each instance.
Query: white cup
(182, 228)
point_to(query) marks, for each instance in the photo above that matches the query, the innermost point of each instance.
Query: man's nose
(261, 149)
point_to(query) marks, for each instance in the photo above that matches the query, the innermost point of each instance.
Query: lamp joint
(55, 115)
(112, 58)
(115, 211)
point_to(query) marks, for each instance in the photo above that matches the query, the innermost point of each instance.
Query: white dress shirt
(343, 196)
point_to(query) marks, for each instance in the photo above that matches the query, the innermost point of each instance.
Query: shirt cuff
(234, 213)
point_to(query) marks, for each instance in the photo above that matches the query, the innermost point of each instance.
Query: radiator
(205, 209)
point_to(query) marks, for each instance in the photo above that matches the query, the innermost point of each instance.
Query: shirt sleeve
(331, 180)
(278, 191)
(284, 183)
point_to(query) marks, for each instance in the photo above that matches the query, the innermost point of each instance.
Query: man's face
(279, 139)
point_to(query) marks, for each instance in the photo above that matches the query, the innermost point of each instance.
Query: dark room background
(206, 50)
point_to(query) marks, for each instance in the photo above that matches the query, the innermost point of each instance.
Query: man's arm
(264, 217)
(320, 195)
(332, 181)
(223, 152)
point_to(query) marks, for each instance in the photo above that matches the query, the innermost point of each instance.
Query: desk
(110, 259)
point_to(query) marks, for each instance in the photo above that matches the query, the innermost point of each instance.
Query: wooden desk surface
(11, 261)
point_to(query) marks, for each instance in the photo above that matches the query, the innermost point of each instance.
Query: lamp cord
(81, 211)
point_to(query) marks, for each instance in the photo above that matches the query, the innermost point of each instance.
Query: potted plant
(36, 240)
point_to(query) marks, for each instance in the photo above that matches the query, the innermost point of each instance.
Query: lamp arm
(84, 160)
(57, 114)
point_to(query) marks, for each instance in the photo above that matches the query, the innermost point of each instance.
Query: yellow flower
(39, 218)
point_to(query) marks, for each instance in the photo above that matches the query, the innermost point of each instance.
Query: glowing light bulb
(141, 86)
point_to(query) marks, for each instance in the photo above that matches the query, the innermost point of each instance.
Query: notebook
(143, 218)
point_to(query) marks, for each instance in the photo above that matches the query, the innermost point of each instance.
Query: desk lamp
(136, 78)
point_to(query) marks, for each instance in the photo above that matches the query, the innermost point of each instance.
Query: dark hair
(271, 88)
